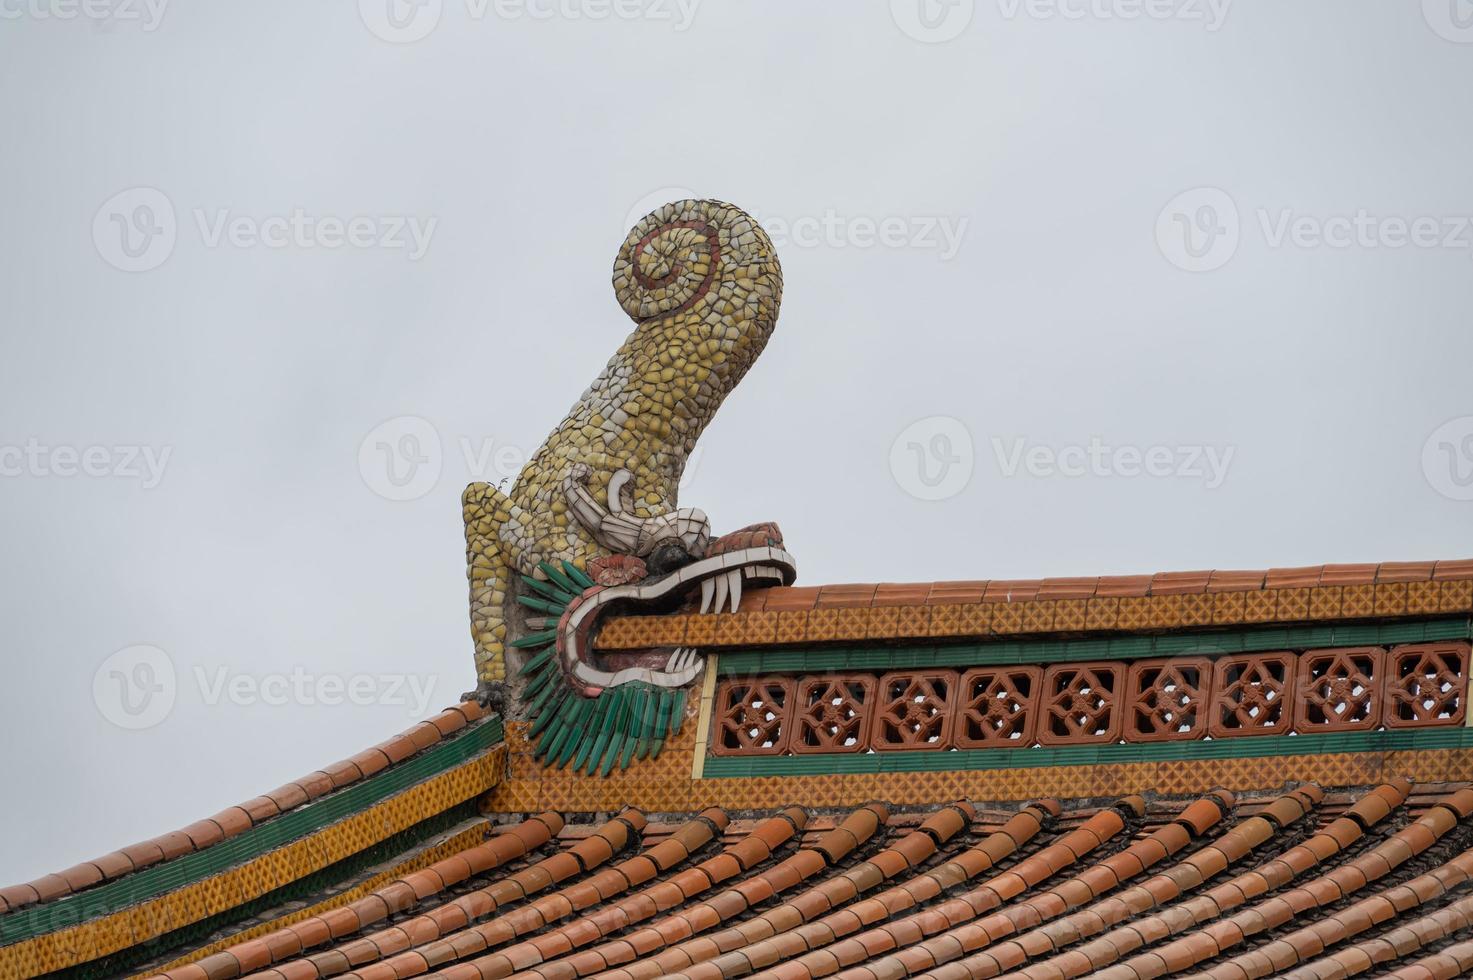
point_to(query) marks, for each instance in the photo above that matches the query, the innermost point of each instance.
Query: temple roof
(1224, 886)
(800, 849)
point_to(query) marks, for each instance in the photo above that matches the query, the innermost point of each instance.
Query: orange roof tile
(1302, 884)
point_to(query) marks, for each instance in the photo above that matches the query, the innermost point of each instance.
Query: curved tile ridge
(586, 855)
(906, 854)
(1340, 882)
(946, 941)
(1391, 945)
(808, 597)
(814, 959)
(1201, 865)
(546, 910)
(830, 849)
(236, 820)
(734, 860)
(1447, 964)
(507, 845)
(1324, 844)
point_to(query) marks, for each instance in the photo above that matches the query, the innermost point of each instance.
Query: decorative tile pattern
(914, 710)
(832, 713)
(1339, 690)
(998, 707)
(1167, 699)
(1251, 695)
(752, 717)
(1426, 684)
(1081, 703)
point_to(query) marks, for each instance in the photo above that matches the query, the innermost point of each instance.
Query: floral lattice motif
(914, 710)
(1339, 690)
(1251, 695)
(998, 707)
(1081, 703)
(832, 713)
(1426, 685)
(1168, 699)
(752, 716)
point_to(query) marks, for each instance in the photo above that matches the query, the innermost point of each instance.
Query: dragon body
(593, 519)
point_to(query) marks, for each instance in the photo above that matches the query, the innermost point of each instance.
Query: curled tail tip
(676, 254)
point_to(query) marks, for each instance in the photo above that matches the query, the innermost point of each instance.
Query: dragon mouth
(722, 578)
(596, 715)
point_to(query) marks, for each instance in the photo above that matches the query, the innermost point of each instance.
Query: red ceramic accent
(1426, 684)
(831, 713)
(617, 569)
(1081, 703)
(914, 710)
(1339, 690)
(1168, 699)
(999, 707)
(752, 717)
(1251, 695)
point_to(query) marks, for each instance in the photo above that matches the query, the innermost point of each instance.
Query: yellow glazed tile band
(156, 917)
(703, 716)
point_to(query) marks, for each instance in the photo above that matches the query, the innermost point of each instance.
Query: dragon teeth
(723, 584)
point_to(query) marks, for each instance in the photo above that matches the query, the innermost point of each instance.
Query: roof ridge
(236, 820)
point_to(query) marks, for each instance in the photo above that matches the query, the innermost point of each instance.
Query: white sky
(1059, 318)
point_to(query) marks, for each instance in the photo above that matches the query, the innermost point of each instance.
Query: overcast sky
(1103, 286)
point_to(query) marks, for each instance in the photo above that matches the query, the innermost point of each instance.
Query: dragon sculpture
(592, 523)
